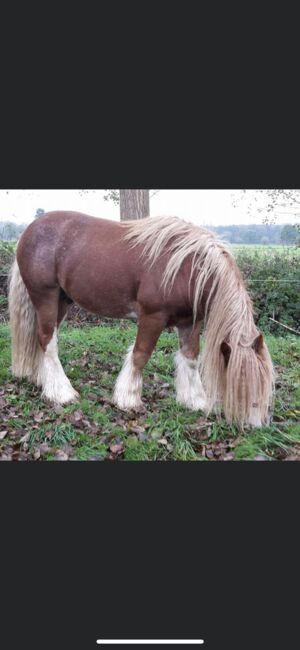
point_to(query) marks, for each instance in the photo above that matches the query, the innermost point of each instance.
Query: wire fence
(272, 281)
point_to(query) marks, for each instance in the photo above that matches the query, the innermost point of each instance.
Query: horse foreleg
(128, 388)
(50, 375)
(189, 389)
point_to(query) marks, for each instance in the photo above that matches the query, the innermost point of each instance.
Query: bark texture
(134, 204)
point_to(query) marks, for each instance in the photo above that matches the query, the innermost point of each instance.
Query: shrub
(7, 252)
(273, 281)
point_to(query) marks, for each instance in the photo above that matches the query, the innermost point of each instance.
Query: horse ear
(226, 351)
(258, 343)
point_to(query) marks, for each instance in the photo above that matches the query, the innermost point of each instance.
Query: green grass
(93, 428)
(266, 248)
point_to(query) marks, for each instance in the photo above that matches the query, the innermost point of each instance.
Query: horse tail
(23, 322)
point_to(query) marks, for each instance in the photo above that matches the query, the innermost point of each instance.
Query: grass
(270, 249)
(93, 428)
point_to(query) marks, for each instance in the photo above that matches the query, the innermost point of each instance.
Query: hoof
(197, 404)
(137, 408)
(140, 409)
(68, 398)
(129, 404)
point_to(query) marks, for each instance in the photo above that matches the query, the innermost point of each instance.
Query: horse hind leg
(50, 375)
(128, 388)
(64, 304)
(189, 389)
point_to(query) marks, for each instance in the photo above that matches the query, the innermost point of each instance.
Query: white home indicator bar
(149, 641)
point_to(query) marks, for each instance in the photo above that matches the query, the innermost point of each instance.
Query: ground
(93, 429)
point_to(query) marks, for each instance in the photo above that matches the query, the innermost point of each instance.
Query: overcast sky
(203, 207)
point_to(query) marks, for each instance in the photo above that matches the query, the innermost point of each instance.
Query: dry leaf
(116, 448)
(77, 415)
(61, 455)
(38, 416)
(25, 438)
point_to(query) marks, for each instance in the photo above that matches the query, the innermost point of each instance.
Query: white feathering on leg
(189, 389)
(56, 386)
(128, 388)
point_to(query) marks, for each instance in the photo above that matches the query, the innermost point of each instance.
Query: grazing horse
(164, 272)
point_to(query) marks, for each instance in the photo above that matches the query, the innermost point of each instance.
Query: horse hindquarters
(34, 319)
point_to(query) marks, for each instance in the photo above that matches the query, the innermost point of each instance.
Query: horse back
(88, 258)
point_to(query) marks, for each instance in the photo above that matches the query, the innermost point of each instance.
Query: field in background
(94, 429)
(269, 248)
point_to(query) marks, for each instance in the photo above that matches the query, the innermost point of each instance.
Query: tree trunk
(134, 204)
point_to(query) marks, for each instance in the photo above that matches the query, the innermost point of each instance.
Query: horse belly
(108, 293)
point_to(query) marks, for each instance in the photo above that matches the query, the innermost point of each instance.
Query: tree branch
(285, 326)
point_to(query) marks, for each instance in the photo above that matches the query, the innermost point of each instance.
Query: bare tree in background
(269, 203)
(134, 204)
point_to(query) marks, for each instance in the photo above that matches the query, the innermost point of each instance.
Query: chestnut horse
(162, 271)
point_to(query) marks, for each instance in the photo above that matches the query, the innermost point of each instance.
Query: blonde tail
(25, 345)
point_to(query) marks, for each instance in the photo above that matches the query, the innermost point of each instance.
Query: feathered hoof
(67, 397)
(131, 405)
(197, 404)
(141, 409)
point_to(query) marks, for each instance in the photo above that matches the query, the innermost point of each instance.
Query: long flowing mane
(228, 312)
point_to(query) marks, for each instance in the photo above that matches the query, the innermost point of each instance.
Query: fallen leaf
(229, 456)
(117, 448)
(92, 396)
(2, 434)
(44, 448)
(106, 400)
(38, 416)
(61, 455)
(67, 449)
(78, 415)
(58, 409)
(163, 392)
(137, 429)
(142, 437)
(25, 438)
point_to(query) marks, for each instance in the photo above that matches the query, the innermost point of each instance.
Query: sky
(202, 207)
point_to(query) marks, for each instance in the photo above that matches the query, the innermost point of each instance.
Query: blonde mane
(249, 378)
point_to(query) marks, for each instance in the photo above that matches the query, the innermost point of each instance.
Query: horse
(162, 271)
